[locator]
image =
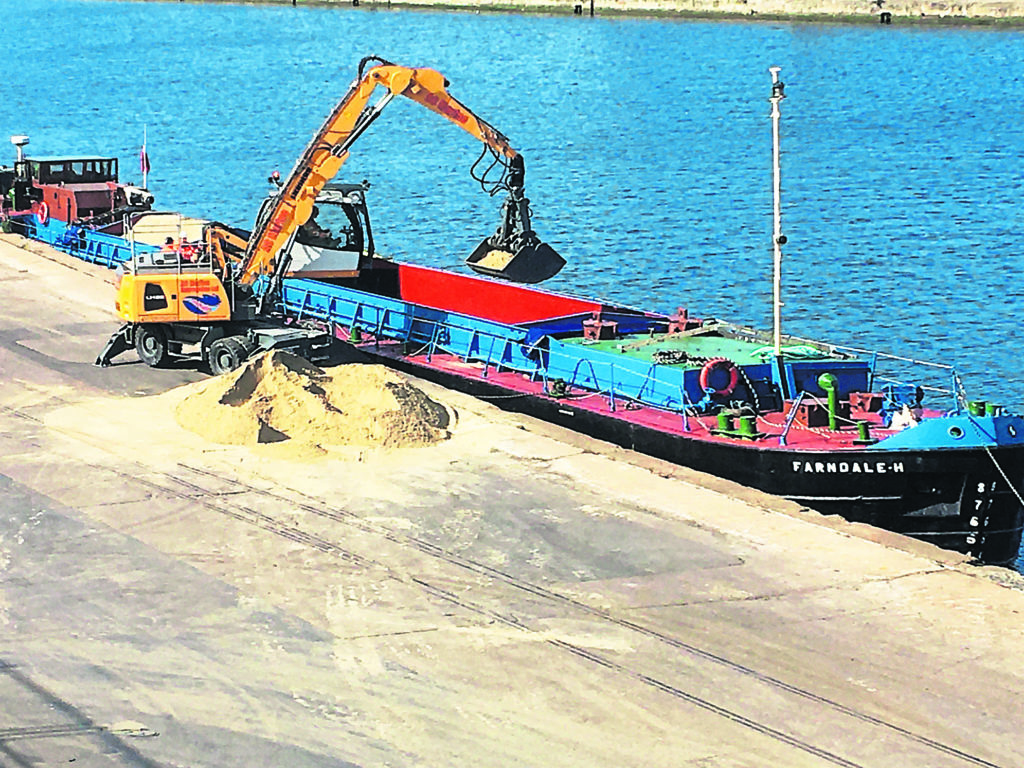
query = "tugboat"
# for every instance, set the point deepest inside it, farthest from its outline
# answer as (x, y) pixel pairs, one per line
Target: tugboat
(842, 431)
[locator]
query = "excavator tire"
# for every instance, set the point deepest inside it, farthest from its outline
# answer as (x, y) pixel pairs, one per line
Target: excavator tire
(151, 344)
(227, 354)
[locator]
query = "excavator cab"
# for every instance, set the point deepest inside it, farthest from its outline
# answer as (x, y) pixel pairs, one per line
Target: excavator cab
(336, 240)
(514, 252)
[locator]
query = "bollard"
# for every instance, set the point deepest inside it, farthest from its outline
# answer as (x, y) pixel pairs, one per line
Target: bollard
(748, 426)
(724, 422)
(864, 434)
(829, 383)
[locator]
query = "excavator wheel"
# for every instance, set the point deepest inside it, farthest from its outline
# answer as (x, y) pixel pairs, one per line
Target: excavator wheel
(151, 345)
(227, 354)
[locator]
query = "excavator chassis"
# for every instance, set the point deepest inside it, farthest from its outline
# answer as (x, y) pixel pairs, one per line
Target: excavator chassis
(223, 348)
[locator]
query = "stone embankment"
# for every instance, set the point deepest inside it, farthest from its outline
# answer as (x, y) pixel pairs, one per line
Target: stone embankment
(840, 10)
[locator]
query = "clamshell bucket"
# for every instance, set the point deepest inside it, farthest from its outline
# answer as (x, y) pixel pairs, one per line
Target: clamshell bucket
(514, 252)
(530, 262)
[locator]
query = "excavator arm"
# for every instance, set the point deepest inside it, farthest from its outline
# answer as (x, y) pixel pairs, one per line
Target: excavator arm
(226, 245)
(329, 149)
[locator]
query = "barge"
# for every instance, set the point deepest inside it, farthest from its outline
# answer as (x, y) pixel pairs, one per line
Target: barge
(835, 431)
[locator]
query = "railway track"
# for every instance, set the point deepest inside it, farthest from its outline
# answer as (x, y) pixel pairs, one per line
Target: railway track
(222, 503)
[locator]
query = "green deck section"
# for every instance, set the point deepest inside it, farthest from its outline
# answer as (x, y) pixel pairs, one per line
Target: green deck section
(703, 346)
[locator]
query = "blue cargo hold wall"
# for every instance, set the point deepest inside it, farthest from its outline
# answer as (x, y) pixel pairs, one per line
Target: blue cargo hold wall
(671, 387)
(436, 330)
(506, 346)
(629, 377)
(85, 244)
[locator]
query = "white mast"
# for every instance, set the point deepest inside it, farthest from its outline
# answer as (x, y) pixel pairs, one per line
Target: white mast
(778, 239)
(144, 159)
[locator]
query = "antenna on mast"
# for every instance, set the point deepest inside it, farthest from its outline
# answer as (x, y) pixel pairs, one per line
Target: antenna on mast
(778, 239)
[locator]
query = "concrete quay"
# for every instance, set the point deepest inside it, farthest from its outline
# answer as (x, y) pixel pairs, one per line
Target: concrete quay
(515, 596)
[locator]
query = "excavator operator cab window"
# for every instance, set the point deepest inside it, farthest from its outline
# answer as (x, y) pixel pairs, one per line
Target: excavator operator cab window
(318, 231)
(334, 225)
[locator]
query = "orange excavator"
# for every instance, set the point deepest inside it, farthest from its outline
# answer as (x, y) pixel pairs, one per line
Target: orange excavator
(218, 295)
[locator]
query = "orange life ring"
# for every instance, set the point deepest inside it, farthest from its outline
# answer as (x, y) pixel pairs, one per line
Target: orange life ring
(42, 213)
(725, 364)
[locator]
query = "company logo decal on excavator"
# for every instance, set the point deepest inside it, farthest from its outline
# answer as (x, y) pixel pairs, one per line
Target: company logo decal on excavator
(201, 305)
(446, 109)
(276, 226)
(199, 283)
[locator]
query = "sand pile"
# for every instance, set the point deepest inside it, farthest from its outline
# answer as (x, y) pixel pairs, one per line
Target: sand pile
(280, 397)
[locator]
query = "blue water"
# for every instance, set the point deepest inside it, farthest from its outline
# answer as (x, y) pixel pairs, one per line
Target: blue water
(647, 145)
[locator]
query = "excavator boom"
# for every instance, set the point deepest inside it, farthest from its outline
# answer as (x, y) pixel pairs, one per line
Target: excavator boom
(329, 149)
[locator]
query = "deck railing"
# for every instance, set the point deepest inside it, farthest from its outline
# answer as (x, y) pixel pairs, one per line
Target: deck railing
(560, 367)
(495, 345)
(931, 377)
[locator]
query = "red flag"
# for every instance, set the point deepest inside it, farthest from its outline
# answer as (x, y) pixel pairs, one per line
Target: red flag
(143, 160)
